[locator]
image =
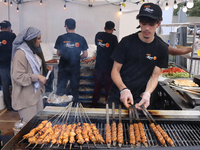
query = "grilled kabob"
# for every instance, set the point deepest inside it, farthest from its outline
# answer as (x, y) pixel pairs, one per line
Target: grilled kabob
(85, 132)
(47, 138)
(114, 133)
(142, 134)
(131, 135)
(72, 134)
(66, 135)
(158, 134)
(165, 135)
(35, 130)
(98, 136)
(92, 137)
(137, 134)
(120, 134)
(56, 135)
(108, 134)
(60, 138)
(79, 136)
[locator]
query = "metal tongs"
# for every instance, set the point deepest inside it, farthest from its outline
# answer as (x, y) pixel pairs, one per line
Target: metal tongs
(148, 115)
(184, 89)
(136, 117)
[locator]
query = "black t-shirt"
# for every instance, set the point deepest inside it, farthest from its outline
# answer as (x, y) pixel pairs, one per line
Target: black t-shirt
(6, 40)
(139, 59)
(70, 46)
(106, 43)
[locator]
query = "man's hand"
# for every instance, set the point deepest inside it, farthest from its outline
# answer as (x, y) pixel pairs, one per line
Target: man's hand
(42, 79)
(126, 98)
(50, 68)
(145, 100)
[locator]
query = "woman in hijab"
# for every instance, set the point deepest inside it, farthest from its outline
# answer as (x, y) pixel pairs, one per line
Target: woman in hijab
(26, 74)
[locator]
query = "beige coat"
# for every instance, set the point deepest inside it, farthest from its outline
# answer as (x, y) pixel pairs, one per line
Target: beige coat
(22, 77)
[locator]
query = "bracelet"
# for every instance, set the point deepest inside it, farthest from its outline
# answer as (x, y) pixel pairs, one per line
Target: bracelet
(124, 89)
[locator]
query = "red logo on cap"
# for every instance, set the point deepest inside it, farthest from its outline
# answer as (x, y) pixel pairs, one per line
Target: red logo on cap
(77, 44)
(4, 42)
(107, 44)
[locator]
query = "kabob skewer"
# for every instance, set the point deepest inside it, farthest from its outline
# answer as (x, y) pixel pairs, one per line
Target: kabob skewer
(120, 129)
(143, 137)
(107, 128)
(114, 126)
(131, 128)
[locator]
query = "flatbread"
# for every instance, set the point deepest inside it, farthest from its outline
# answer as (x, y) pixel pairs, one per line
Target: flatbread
(187, 83)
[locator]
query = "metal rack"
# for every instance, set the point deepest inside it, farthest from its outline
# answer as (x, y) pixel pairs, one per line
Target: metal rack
(193, 56)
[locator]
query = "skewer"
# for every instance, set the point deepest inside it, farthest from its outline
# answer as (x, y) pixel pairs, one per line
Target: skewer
(120, 129)
(28, 145)
(131, 130)
(114, 127)
(108, 131)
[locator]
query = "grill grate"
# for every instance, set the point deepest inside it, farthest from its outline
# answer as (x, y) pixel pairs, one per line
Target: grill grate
(183, 134)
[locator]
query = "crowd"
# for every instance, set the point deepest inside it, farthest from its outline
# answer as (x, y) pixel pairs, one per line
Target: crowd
(129, 69)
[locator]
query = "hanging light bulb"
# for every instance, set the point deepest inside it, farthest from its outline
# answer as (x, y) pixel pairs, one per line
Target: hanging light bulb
(120, 11)
(175, 4)
(10, 3)
(167, 6)
(5, 2)
(65, 6)
(40, 2)
(17, 8)
(190, 4)
(184, 7)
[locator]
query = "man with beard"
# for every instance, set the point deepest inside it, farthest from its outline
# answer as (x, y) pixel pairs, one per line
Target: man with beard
(138, 60)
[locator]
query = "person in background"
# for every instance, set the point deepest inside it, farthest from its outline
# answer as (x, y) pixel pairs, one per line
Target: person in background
(138, 60)
(106, 43)
(26, 74)
(6, 40)
(69, 46)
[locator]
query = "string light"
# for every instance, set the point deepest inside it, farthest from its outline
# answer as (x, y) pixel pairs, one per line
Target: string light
(184, 7)
(65, 6)
(17, 8)
(40, 2)
(11, 3)
(190, 4)
(120, 11)
(167, 6)
(175, 4)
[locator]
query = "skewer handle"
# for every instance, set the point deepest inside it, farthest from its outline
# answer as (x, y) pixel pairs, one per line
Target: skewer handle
(113, 111)
(120, 117)
(107, 114)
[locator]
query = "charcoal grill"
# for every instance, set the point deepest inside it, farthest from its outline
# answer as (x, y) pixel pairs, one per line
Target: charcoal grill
(185, 131)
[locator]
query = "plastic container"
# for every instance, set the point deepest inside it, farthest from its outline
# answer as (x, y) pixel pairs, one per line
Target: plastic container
(18, 125)
(2, 105)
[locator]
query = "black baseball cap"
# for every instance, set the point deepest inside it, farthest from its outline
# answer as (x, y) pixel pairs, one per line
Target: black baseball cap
(150, 10)
(110, 25)
(71, 23)
(5, 24)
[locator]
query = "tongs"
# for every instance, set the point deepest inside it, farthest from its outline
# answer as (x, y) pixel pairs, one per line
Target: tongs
(184, 90)
(141, 129)
(160, 133)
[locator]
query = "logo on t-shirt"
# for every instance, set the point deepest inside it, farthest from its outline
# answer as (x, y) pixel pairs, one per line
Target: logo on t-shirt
(77, 44)
(151, 57)
(107, 44)
(4, 42)
(103, 45)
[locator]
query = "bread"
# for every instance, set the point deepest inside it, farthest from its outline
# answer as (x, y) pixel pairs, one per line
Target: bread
(187, 83)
